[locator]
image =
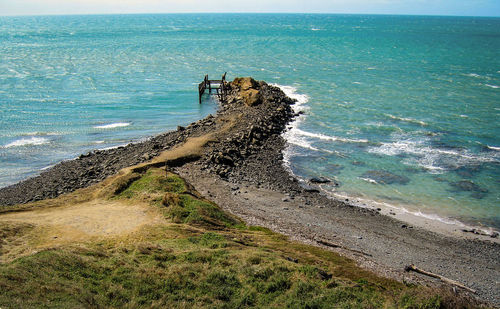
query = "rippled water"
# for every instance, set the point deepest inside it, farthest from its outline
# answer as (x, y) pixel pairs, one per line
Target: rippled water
(401, 110)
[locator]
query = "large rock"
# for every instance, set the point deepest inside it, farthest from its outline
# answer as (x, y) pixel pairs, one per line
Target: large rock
(245, 83)
(249, 90)
(467, 185)
(251, 97)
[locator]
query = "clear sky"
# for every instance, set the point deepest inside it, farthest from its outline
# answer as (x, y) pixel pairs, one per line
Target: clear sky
(412, 7)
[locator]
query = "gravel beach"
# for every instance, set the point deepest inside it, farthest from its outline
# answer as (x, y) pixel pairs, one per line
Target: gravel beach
(240, 167)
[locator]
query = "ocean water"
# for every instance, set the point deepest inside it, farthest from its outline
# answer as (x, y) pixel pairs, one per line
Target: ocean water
(401, 110)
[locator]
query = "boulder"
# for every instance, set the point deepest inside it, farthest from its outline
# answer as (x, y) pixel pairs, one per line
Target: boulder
(251, 97)
(248, 89)
(245, 83)
(319, 180)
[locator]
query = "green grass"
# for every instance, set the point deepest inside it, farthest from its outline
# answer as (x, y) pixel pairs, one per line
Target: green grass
(204, 258)
(209, 272)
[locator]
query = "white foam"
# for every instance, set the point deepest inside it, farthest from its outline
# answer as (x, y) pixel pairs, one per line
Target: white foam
(291, 92)
(411, 120)
(295, 136)
(47, 167)
(368, 180)
(36, 133)
(32, 141)
(113, 125)
(301, 143)
(430, 157)
(372, 203)
(492, 86)
(473, 75)
(329, 138)
(315, 29)
(290, 136)
(114, 147)
(493, 147)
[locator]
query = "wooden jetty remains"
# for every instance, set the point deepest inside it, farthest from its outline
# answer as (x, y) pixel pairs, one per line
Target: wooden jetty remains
(220, 85)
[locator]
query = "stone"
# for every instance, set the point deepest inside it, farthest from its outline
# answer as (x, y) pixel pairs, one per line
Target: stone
(323, 275)
(467, 185)
(312, 190)
(245, 83)
(319, 180)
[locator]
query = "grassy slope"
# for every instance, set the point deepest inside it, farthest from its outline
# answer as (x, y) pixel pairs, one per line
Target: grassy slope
(200, 257)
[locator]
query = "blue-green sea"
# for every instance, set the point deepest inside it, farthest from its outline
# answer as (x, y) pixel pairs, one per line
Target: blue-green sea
(402, 110)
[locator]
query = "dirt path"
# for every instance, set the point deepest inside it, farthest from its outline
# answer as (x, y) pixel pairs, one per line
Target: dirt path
(52, 227)
(96, 218)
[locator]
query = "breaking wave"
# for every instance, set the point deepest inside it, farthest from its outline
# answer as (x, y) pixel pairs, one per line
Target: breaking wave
(431, 158)
(32, 141)
(113, 125)
(410, 120)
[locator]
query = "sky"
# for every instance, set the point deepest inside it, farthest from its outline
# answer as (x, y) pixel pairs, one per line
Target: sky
(405, 7)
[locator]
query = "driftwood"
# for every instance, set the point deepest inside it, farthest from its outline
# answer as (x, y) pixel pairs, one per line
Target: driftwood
(332, 245)
(444, 279)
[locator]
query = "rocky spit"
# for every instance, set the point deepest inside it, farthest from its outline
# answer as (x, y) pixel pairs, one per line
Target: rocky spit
(241, 168)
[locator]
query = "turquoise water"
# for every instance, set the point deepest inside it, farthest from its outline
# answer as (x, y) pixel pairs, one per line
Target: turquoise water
(399, 109)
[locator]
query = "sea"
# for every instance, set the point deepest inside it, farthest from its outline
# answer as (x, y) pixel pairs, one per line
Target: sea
(398, 110)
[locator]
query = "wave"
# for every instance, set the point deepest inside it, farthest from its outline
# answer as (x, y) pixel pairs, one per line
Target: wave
(492, 86)
(41, 134)
(329, 138)
(113, 125)
(47, 167)
(493, 148)
(473, 75)
(291, 92)
(302, 143)
(290, 136)
(404, 208)
(368, 180)
(33, 141)
(114, 147)
(431, 158)
(294, 136)
(315, 29)
(410, 120)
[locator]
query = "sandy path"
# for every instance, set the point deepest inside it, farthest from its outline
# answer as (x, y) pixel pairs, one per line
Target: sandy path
(73, 224)
(96, 218)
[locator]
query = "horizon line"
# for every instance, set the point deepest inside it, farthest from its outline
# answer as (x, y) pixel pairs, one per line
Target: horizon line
(263, 13)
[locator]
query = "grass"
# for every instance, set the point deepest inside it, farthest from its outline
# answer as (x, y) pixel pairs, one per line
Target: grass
(202, 258)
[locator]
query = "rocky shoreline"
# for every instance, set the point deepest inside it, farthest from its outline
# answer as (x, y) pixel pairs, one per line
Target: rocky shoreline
(241, 168)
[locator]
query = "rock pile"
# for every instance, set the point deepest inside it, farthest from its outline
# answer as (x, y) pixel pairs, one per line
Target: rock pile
(260, 122)
(261, 112)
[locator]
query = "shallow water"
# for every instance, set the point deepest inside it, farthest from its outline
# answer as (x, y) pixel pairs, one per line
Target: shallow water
(387, 97)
